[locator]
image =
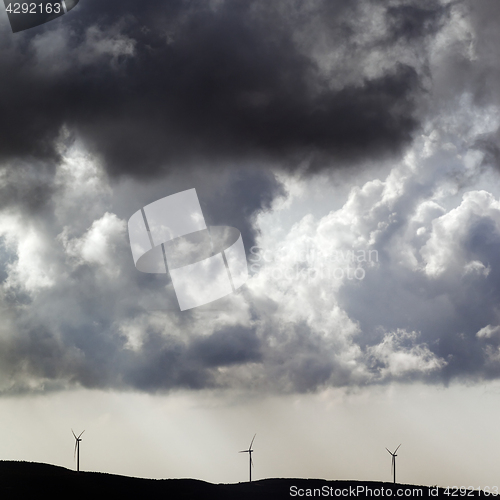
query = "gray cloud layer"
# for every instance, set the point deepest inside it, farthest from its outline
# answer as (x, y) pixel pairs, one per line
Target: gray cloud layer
(118, 104)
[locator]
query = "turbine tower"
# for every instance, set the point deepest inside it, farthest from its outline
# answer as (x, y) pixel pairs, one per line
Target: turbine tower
(250, 451)
(393, 466)
(77, 449)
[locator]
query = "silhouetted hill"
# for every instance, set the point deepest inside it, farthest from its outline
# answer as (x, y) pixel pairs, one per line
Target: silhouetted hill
(25, 479)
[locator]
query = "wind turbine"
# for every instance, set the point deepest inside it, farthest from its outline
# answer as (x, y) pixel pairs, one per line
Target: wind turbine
(250, 451)
(77, 449)
(393, 466)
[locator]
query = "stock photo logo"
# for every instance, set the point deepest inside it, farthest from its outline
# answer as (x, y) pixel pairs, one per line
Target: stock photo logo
(26, 15)
(309, 261)
(170, 236)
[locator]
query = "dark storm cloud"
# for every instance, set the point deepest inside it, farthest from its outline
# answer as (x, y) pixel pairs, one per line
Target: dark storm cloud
(415, 21)
(95, 355)
(231, 345)
(198, 83)
(28, 186)
(238, 201)
(171, 93)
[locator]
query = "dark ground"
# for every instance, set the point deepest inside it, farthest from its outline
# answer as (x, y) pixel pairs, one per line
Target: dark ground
(27, 479)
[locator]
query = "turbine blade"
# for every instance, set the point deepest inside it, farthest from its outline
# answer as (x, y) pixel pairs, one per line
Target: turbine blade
(396, 449)
(251, 461)
(74, 453)
(389, 451)
(84, 431)
(252, 441)
(73, 433)
(244, 451)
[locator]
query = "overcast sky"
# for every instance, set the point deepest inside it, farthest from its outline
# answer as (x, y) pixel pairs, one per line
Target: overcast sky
(354, 143)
